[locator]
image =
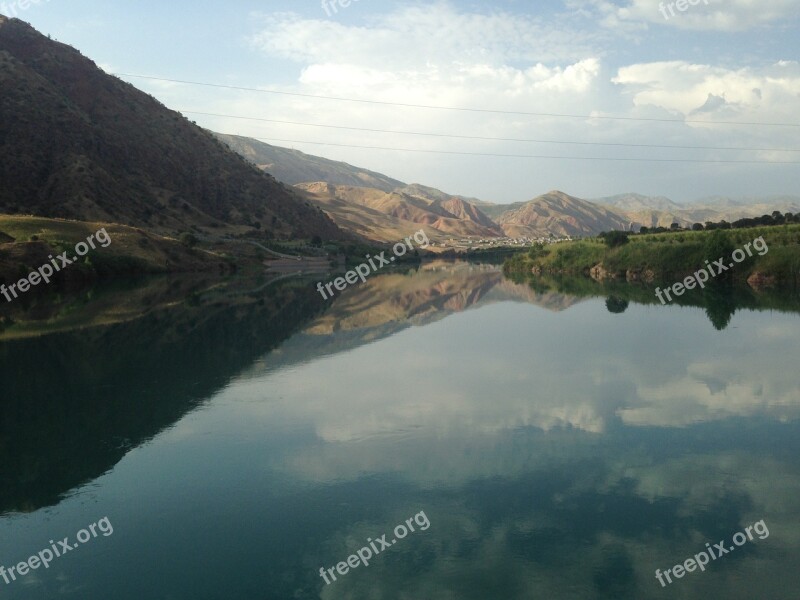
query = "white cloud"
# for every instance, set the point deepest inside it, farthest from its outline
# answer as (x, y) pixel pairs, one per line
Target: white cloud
(741, 94)
(436, 54)
(708, 15)
(412, 36)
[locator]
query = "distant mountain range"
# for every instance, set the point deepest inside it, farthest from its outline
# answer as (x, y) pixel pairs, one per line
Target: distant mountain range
(77, 143)
(662, 212)
(381, 208)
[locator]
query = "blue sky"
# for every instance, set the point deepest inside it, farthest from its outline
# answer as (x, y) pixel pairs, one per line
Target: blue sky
(727, 60)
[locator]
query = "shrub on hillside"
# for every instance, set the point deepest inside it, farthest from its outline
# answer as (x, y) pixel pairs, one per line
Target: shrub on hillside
(615, 239)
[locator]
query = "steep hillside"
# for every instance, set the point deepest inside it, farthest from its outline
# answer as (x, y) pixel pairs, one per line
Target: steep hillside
(77, 143)
(557, 213)
(293, 166)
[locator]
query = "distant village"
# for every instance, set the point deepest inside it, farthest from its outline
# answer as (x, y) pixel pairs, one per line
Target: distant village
(499, 242)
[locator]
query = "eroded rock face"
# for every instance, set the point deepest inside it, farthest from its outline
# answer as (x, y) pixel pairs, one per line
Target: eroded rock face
(760, 281)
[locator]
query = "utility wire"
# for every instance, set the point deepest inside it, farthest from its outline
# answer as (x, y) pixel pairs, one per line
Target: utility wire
(490, 139)
(455, 108)
(670, 160)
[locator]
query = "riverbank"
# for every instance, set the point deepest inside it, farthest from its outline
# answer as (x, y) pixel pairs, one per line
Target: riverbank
(668, 257)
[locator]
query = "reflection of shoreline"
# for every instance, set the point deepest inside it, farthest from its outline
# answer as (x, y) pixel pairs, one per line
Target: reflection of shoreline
(104, 304)
(107, 388)
(720, 302)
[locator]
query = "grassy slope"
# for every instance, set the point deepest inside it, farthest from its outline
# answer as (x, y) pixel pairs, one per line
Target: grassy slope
(132, 251)
(669, 255)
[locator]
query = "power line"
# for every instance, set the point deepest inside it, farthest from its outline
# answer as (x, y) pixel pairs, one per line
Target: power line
(455, 108)
(670, 160)
(491, 139)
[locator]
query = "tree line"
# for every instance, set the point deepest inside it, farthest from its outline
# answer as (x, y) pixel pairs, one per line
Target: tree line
(776, 218)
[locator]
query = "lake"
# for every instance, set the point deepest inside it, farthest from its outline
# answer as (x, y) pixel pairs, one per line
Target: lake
(514, 439)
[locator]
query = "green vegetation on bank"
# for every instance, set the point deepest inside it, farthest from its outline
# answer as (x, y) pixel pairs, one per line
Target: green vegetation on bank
(666, 256)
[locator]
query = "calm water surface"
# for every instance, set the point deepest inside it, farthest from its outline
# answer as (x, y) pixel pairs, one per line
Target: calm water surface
(560, 446)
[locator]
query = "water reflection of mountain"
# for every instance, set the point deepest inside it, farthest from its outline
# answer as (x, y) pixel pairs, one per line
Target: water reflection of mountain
(388, 304)
(74, 402)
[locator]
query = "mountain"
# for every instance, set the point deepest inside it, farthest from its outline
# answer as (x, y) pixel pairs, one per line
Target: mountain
(77, 143)
(557, 213)
(465, 209)
(293, 166)
(452, 217)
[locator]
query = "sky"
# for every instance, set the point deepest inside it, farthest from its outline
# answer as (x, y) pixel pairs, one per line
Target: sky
(556, 91)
